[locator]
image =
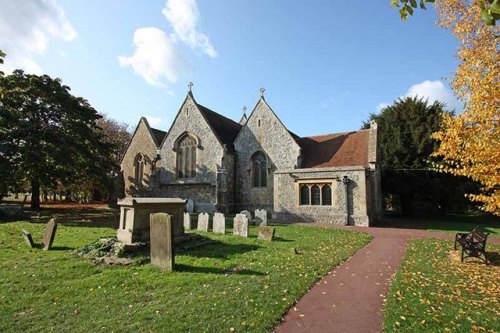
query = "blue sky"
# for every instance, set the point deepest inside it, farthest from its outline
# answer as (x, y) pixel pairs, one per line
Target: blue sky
(325, 65)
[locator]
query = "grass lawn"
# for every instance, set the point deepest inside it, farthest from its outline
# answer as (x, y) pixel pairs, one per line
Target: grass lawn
(435, 293)
(234, 284)
(464, 223)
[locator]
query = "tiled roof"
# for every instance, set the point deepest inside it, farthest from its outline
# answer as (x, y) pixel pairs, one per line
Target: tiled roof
(159, 135)
(335, 150)
(225, 128)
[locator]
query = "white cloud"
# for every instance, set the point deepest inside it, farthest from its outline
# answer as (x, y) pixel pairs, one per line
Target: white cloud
(153, 121)
(432, 91)
(155, 57)
(26, 28)
(183, 16)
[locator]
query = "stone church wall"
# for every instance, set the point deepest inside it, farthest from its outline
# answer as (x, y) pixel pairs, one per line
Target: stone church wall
(286, 196)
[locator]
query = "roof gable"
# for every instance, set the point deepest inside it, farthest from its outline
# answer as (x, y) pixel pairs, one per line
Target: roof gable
(224, 128)
(155, 134)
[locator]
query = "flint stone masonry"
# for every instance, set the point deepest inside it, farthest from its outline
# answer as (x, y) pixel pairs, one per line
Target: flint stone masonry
(187, 222)
(203, 222)
(49, 234)
(248, 215)
(219, 226)
(161, 241)
(28, 239)
(266, 233)
(134, 217)
(261, 217)
(240, 225)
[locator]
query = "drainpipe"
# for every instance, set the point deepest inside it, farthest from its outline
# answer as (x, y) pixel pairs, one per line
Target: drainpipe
(346, 181)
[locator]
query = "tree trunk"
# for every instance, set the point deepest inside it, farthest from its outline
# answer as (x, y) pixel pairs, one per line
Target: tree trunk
(35, 194)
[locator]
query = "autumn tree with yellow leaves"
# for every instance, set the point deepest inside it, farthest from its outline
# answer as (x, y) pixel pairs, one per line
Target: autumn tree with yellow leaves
(470, 141)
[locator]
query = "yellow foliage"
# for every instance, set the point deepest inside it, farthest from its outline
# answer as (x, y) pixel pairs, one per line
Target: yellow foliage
(470, 141)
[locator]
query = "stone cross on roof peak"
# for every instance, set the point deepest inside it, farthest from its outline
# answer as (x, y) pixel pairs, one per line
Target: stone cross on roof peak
(190, 86)
(244, 111)
(262, 92)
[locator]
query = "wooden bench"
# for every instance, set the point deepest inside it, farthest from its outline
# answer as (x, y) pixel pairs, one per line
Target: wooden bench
(473, 244)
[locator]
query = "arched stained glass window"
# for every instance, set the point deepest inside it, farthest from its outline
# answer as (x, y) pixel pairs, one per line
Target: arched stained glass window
(138, 169)
(304, 195)
(186, 157)
(315, 195)
(259, 170)
(326, 195)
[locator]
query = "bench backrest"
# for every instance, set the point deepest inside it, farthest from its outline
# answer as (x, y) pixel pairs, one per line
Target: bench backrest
(479, 236)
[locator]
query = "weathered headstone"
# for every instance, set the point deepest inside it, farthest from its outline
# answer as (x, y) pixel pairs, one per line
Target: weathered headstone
(248, 215)
(28, 239)
(219, 223)
(266, 233)
(203, 221)
(187, 221)
(49, 234)
(190, 205)
(161, 241)
(240, 226)
(261, 217)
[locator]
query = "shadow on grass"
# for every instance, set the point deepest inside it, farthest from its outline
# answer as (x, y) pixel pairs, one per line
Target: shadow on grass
(213, 270)
(61, 248)
(281, 239)
(217, 249)
(493, 258)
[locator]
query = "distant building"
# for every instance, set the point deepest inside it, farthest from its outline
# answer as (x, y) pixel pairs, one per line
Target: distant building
(223, 165)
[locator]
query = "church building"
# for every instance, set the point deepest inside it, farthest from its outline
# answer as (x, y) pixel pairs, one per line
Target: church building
(223, 165)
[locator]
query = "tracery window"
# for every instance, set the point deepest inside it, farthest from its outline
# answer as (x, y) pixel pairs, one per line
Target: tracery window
(186, 157)
(315, 194)
(139, 169)
(259, 170)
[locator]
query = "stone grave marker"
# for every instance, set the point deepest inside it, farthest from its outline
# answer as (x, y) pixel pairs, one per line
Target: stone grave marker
(28, 239)
(219, 224)
(261, 217)
(187, 221)
(240, 226)
(248, 215)
(161, 241)
(190, 205)
(49, 234)
(203, 221)
(266, 233)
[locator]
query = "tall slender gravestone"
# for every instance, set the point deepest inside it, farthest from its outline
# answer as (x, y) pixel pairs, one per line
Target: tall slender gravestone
(219, 224)
(28, 239)
(203, 221)
(261, 217)
(162, 239)
(187, 221)
(49, 234)
(240, 226)
(248, 215)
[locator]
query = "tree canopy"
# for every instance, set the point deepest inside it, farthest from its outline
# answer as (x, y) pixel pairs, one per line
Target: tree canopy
(49, 136)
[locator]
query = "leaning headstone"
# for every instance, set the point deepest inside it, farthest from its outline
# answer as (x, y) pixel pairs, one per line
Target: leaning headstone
(161, 241)
(219, 224)
(49, 234)
(28, 239)
(240, 226)
(190, 205)
(203, 220)
(187, 221)
(248, 215)
(261, 217)
(266, 233)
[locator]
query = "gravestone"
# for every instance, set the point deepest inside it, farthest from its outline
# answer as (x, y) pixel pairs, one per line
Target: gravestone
(248, 215)
(190, 205)
(203, 221)
(187, 221)
(240, 226)
(266, 233)
(49, 234)
(161, 241)
(219, 224)
(261, 217)
(28, 239)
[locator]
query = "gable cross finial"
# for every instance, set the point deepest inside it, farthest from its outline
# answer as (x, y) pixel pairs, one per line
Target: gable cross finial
(190, 86)
(262, 92)
(244, 111)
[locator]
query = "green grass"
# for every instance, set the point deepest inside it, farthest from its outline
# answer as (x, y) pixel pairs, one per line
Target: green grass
(434, 292)
(235, 283)
(463, 223)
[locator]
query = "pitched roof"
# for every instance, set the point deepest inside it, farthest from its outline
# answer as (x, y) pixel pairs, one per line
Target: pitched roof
(158, 136)
(224, 128)
(335, 150)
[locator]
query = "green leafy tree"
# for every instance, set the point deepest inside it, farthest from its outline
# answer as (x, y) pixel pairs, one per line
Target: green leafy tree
(51, 137)
(405, 146)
